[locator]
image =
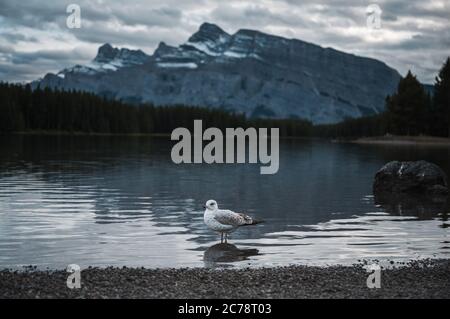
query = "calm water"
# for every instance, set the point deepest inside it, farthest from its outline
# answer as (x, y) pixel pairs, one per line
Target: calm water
(121, 201)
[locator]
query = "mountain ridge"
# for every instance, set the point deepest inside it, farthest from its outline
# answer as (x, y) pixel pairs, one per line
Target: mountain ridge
(249, 71)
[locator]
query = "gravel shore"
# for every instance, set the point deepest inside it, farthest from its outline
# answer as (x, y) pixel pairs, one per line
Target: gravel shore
(429, 279)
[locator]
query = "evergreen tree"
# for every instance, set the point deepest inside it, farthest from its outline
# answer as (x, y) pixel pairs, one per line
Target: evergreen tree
(407, 107)
(441, 100)
(24, 109)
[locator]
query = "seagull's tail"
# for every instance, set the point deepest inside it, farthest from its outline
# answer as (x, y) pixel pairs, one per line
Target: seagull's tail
(254, 222)
(250, 221)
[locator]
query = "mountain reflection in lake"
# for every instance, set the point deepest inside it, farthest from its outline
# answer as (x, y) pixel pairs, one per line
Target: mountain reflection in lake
(121, 201)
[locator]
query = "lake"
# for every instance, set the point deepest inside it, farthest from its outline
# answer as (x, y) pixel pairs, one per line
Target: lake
(101, 201)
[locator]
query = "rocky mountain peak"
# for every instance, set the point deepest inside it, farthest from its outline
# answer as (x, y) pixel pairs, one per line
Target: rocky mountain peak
(209, 39)
(132, 56)
(106, 53)
(163, 50)
(208, 32)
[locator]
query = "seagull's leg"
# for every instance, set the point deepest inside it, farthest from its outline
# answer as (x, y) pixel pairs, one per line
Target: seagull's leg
(226, 238)
(221, 238)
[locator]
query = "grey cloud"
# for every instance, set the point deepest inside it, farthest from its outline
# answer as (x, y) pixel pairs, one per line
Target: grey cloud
(258, 17)
(27, 72)
(148, 38)
(15, 37)
(144, 23)
(51, 55)
(31, 13)
(5, 49)
(27, 66)
(163, 16)
(416, 8)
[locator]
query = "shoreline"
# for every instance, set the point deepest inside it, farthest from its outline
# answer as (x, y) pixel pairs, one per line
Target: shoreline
(374, 140)
(416, 279)
(403, 140)
(79, 133)
(154, 135)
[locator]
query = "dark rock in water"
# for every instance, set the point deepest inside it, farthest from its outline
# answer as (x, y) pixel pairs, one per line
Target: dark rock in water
(418, 178)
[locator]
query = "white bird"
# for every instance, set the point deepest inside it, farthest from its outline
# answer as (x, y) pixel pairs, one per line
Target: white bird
(225, 221)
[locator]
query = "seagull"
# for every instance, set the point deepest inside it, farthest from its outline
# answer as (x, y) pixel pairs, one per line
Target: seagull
(225, 221)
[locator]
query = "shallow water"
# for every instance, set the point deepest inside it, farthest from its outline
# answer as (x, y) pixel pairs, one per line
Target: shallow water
(104, 201)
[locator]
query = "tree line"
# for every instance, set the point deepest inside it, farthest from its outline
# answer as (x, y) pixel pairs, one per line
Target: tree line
(409, 111)
(23, 110)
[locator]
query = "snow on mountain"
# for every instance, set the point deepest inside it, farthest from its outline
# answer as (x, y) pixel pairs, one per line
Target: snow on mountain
(252, 72)
(109, 59)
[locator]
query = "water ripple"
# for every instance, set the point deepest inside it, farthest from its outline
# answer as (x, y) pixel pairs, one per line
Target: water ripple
(112, 207)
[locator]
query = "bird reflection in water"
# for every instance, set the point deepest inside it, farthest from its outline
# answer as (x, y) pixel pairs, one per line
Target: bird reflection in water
(226, 253)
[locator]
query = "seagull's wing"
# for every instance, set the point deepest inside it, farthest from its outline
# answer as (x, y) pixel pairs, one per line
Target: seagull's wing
(227, 217)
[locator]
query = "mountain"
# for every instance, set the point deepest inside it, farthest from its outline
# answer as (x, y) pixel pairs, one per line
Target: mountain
(249, 71)
(108, 59)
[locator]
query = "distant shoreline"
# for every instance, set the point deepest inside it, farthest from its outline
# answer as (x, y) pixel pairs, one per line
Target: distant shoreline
(417, 279)
(80, 133)
(403, 140)
(375, 140)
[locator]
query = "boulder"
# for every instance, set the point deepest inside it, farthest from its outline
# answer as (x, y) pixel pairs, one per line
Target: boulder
(415, 178)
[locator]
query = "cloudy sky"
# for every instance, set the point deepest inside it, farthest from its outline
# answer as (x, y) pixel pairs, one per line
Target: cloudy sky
(34, 37)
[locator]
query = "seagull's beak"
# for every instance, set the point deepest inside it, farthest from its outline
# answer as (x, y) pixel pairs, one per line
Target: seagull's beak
(204, 206)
